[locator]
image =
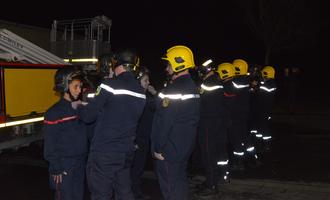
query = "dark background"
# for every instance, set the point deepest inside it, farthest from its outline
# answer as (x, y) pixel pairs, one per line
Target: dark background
(220, 30)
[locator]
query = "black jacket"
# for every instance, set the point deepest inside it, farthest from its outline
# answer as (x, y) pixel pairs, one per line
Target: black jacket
(212, 98)
(117, 108)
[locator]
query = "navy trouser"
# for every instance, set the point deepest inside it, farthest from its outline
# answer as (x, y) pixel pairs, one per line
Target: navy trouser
(138, 165)
(108, 174)
(238, 133)
(73, 184)
(172, 179)
(213, 143)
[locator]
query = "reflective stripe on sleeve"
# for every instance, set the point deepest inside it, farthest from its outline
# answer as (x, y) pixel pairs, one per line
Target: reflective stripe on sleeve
(179, 96)
(240, 86)
(211, 88)
(65, 119)
(267, 89)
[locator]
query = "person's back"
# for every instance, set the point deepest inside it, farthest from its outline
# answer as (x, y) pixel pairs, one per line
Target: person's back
(212, 98)
(265, 100)
(117, 107)
(118, 118)
(185, 116)
(175, 124)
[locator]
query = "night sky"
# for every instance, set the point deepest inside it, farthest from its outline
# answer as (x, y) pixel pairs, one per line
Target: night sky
(212, 29)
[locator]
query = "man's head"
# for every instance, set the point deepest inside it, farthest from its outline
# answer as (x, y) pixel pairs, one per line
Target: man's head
(240, 66)
(179, 58)
(226, 71)
(143, 77)
(68, 82)
(126, 60)
(268, 72)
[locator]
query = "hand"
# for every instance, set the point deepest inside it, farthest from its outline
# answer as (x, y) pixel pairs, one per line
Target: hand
(58, 178)
(75, 104)
(158, 156)
(254, 83)
(152, 90)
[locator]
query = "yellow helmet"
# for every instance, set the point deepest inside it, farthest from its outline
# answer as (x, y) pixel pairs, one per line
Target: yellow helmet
(240, 66)
(180, 57)
(225, 70)
(268, 72)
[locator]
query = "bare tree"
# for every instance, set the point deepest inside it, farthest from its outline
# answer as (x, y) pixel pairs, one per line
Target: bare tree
(282, 25)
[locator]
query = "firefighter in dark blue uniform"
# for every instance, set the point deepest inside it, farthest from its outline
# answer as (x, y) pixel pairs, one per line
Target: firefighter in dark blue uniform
(92, 80)
(117, 108)
(227, 73)
(212, 131)
(175, 125)
(265, 100)
(65, 146)
(241, 83)
(142, 141)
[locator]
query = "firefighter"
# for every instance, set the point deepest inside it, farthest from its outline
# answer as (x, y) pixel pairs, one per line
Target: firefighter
(142, 141)
(241, 83)
(212, 134)
(175, 124)
(92, 80)
(65, 146)
(117, 107)
(227, 73)
(265, 100)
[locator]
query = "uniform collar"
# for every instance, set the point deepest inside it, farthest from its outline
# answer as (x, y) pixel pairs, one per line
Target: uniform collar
(182, 77)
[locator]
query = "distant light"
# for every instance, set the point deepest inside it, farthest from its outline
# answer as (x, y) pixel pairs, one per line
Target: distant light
(206, 63)
(21, 122)
(82, 60)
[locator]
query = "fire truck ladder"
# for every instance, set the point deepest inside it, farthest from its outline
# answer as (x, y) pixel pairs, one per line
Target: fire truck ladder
(14, 48)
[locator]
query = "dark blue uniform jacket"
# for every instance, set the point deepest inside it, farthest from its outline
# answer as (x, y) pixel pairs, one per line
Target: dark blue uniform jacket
(116, 108)
(266, 95)
(65, 137)
(241, 86)
(212, 98)
(176, 120)
(145, 123)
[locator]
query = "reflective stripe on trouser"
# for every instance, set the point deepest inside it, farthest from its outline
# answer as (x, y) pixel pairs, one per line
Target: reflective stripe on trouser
(238, 134)
(212, 140)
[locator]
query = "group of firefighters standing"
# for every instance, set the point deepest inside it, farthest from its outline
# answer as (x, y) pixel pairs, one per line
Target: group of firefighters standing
(128, 118)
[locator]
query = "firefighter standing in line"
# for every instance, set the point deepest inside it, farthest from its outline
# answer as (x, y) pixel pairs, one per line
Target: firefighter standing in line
(241, 83)
(65, 145)
(212, 134)
(175, 124)
(265, 100)
(117, 108)
(227, 73)
(143, 135)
